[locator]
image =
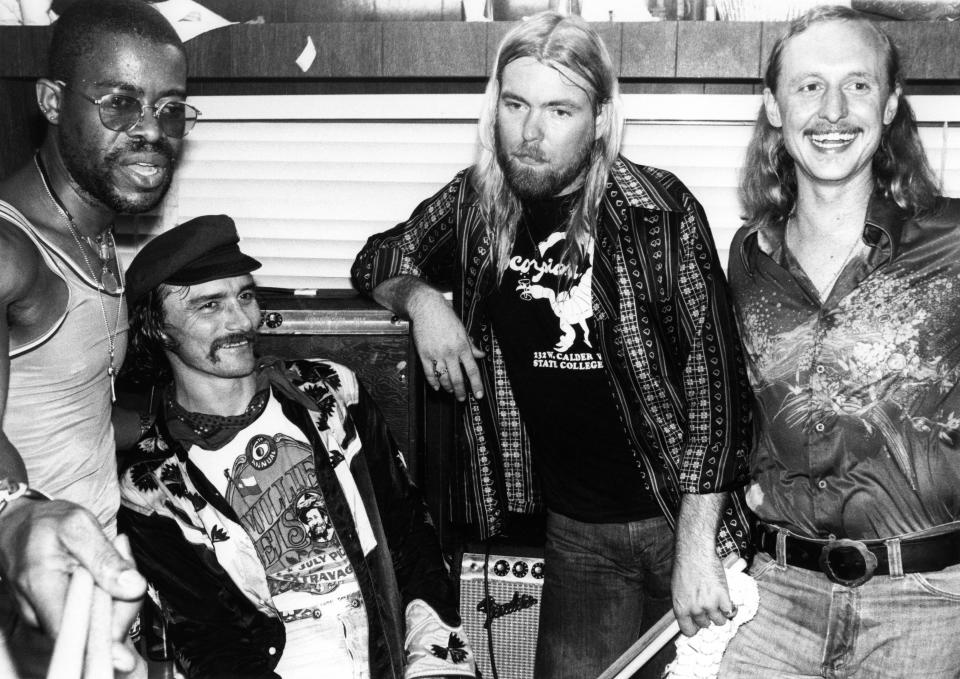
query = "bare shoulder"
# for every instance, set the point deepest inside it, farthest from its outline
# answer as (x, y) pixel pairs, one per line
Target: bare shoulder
(20, 262)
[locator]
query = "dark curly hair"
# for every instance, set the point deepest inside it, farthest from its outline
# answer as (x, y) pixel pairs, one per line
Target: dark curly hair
(901, 171)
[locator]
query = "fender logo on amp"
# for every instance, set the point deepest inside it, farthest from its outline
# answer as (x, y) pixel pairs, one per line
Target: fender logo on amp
(493, 610)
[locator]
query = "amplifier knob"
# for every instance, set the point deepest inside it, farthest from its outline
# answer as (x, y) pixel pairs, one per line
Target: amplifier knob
(501, 568)
(537, 570)
(272, 319)
(520, 568)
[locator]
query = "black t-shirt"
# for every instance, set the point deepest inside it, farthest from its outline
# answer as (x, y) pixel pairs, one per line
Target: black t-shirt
(550, 346)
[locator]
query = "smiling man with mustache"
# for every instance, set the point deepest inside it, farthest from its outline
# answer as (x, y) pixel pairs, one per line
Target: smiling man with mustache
(847, 282)
(592, 340)
(267, 503)
(113, 102)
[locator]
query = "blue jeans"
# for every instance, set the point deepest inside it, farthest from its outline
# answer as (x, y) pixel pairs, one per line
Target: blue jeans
(808, 626)
(603, 585)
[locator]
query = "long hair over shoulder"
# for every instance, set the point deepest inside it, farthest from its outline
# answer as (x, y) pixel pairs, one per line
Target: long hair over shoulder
(901, 171)
(567, 44)
(146, 361)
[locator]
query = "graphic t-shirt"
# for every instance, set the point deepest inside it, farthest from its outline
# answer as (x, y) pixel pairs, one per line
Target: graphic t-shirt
(267, 476)
(548, 335)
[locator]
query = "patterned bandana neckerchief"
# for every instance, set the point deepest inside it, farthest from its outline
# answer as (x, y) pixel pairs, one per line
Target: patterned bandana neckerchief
(212, 432)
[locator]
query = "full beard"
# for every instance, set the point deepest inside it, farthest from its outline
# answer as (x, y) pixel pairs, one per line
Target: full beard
(93, 178)
(537, 183)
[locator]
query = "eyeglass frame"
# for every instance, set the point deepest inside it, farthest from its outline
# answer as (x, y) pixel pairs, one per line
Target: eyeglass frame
(156, 109)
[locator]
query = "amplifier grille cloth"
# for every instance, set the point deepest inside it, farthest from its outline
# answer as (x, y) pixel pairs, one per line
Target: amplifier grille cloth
(514, 587)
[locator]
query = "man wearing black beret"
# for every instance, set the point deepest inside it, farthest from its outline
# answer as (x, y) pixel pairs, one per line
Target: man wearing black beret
(253, 500)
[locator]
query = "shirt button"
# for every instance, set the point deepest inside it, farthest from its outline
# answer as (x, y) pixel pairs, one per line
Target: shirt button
(272, 650)
(820, 369)
(822, 484)
(819, 427)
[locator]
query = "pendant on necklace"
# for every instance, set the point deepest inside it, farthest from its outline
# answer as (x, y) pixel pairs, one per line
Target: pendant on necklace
(112, 374)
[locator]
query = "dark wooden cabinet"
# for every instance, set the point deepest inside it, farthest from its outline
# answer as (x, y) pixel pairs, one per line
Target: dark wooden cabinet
(347, 328)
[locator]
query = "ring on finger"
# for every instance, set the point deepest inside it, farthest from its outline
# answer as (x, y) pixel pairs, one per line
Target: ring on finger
(439, 372)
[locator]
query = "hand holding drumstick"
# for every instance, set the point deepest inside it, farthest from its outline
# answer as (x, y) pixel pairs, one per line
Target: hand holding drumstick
(92, 640)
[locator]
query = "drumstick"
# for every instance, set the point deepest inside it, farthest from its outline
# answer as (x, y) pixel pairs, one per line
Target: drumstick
(644, 648)
(67, 660)
(98, 661)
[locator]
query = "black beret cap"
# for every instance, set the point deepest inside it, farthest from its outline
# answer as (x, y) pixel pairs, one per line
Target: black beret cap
(200, 250)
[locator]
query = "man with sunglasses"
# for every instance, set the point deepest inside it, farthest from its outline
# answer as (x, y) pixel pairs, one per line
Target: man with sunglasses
(116, 117)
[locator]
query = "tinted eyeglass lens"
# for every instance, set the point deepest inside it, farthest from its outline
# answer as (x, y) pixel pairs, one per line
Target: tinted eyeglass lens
(176, 118)
(119, 112)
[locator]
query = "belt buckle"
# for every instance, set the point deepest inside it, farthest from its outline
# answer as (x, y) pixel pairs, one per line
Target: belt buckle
(845, 573)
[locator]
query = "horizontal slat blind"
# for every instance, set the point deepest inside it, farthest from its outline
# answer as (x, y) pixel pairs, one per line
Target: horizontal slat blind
(309, 178)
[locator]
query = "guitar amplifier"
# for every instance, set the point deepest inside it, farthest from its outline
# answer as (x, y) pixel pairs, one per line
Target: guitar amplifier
(500, 607)
(346, 328)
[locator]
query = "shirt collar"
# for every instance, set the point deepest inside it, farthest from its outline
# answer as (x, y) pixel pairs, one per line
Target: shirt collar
(640, 190)
(885, 224)
(883, 228)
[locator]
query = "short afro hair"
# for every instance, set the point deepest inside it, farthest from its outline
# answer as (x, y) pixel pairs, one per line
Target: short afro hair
(88, 23)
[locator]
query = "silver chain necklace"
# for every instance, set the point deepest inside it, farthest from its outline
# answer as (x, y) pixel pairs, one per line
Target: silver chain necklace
(105, 244)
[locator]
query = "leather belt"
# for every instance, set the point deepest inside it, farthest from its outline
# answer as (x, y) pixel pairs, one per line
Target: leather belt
(853, 562)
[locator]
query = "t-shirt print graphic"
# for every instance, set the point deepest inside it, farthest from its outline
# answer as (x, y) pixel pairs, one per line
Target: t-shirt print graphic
(276, 499)
(572, 306)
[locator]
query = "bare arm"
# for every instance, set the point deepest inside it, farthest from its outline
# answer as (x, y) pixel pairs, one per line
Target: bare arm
(41, 543)
(449, 357)
(699, 585)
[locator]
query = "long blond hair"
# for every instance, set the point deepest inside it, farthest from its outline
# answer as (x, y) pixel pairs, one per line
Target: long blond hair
(901, 172)
(566, 43)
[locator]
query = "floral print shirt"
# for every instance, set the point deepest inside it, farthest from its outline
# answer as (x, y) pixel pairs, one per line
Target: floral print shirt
(857, 395)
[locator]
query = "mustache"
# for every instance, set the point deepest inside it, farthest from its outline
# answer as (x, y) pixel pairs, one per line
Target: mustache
(832, 129)
(138, 145)
(232, 338)
(531, 151)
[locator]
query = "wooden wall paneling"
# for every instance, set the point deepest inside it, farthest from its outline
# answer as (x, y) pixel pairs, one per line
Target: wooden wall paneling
(496, 32)
(23, 126)
(770, 32)
(434, 49)
(23, 51)
(930, 50)
(268, 50)
(347, 50)
(718, 49)
(612, 36)
(649, 50)
(211, 54)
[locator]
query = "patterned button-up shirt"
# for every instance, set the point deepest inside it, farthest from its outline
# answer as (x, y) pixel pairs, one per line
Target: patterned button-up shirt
(666, 331)
(859, 405)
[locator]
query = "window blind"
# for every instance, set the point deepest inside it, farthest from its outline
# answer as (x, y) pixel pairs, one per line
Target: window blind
(309, 178)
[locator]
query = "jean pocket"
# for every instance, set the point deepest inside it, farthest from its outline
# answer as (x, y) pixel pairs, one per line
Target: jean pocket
(763, 563)
(944, 584)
